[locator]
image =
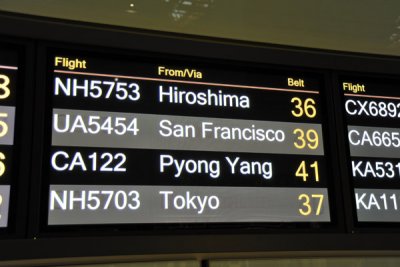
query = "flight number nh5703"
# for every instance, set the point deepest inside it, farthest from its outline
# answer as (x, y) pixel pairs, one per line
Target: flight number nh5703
(94, 200)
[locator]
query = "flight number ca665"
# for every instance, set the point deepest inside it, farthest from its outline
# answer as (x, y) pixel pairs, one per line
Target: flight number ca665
(374, 138)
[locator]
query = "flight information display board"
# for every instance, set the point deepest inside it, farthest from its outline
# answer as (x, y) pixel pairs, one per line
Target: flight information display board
(8, 95)
(152, 140)
(372, 110)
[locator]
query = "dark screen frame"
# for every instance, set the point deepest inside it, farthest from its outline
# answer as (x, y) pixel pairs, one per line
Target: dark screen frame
(46, 51)
(31, 29)
(20, 183)
(348, 185)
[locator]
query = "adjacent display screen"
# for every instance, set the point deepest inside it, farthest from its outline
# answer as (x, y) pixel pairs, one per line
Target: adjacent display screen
(8, 93)
(153, 140)
(372, 108)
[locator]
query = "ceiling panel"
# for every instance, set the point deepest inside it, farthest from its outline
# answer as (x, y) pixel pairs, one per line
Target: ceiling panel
(366, 26)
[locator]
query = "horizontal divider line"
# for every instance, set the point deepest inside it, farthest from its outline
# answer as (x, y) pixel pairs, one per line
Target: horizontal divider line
(8, 67)
(187, 82)
(374, 96)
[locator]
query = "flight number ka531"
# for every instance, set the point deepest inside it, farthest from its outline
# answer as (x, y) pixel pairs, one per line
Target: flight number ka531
(109, 89)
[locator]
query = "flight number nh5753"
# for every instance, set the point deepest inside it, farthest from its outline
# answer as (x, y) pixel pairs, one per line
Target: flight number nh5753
(110, 89)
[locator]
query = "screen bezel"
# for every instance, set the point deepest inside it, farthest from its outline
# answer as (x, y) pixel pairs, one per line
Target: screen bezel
(44, 100)
(20, 183)
(39, 30)
(357, 226)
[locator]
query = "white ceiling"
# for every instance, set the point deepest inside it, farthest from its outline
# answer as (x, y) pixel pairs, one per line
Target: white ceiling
(367, 26)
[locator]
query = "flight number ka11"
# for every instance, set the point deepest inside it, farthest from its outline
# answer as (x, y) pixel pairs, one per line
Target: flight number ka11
(376, 201)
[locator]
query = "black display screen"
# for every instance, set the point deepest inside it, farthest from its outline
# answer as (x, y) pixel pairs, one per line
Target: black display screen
(8, 96)
(372, 110)
(151, 140)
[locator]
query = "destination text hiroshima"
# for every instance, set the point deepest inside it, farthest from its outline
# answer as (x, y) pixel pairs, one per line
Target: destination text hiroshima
(184, 95)
(209, 97)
